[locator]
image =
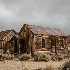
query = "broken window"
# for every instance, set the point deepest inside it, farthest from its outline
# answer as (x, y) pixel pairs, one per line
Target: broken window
(38, 41)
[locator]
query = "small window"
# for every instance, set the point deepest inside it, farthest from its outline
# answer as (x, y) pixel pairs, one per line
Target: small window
(38, 42)
(43, 43)
(53, 42)
(38, 39)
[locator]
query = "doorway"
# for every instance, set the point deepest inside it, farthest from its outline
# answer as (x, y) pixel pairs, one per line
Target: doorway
(22, 46)
(43, 43)
(15, 46)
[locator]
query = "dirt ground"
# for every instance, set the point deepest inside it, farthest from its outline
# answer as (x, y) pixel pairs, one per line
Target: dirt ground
(29, 65)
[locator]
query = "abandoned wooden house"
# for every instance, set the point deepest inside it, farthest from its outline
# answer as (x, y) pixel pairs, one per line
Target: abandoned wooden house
(8, 40)
(39, 38)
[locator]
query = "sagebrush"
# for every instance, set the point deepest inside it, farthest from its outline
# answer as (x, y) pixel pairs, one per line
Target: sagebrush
(25, 57)
(41, 57)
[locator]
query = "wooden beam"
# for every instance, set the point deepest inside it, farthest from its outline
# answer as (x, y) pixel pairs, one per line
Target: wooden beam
(55, 48)
(51, 44)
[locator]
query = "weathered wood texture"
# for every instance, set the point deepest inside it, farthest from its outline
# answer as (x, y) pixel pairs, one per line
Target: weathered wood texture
(28, 35)
(5, 43)
(35, 42)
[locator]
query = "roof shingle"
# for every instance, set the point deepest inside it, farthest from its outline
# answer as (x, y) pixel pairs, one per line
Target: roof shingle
(46, 30)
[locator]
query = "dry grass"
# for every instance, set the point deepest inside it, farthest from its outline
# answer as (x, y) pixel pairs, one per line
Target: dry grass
(26, 68)
(46, 68)
(31, 65)
(66, 65)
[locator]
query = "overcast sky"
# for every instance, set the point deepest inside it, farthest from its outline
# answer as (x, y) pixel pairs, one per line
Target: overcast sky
(48, 13)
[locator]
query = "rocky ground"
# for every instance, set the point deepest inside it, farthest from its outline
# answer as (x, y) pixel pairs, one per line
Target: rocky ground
(29, 65)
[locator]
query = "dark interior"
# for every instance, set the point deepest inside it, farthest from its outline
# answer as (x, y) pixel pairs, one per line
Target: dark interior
(22, 46)
(43, 43)
(15, 46)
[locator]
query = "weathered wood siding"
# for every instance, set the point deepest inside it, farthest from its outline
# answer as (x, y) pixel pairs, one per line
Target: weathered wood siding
(28, 35)
(34, 41)
(4, 44)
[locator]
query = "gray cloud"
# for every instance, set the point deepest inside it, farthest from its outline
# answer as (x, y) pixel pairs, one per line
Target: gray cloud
(48, 13)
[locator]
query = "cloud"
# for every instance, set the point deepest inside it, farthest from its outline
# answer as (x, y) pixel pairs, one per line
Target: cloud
(48, 13)
(7, 18)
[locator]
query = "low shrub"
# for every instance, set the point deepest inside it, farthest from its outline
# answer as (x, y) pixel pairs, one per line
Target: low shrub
(54, 57)
(66, 65)
(7, 57)
(36, 56)
(65, 56)
(41, 57)
(24, 57)
(57, 57)
(60, 57)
